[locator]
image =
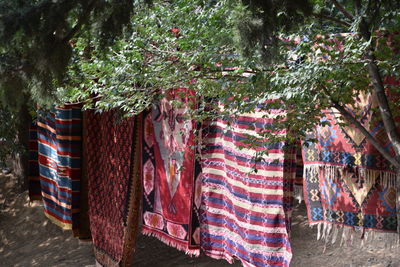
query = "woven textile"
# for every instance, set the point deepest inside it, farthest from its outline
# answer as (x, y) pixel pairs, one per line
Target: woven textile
(246, 214)
(169, 172)
(59, 148)
(35, 192)
(113, 170)
(347, 182)
(298, 181)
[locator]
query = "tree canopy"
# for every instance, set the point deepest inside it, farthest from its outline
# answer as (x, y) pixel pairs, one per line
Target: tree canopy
(310, 54)
(35, 42)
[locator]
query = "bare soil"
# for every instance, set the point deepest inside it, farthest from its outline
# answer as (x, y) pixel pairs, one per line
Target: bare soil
(27, 238)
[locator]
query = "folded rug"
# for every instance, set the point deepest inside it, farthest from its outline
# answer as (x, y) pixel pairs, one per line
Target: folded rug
(35, 192)
(169, 172)
(347, 181)
(246, 200)
(112, 159)
(59, 148)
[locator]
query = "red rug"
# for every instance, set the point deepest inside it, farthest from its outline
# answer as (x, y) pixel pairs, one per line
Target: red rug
(347, 181)
(35, 192)
(169, 172)
(112, 160)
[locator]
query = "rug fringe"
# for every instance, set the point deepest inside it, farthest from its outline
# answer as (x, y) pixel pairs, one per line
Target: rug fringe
(355, 236)
(298, 193)
(62, 225)
(387, 178)
(172, 243)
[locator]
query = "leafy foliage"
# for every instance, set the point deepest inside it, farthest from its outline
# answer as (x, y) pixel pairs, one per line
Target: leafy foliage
(34, 42)
(164, 49)
(7, 136)
(241, 52)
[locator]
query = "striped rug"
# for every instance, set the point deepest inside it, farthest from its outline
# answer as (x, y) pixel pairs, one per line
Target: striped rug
(35, 192)
(59, 156)
(245, 214)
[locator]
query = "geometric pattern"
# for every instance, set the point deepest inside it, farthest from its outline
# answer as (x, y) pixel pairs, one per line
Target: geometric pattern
(347, 181)
(112, 159)
(169, 171)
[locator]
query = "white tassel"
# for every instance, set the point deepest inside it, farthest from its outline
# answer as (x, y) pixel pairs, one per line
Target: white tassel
(319, 231)
(335, 234)
(298, 193)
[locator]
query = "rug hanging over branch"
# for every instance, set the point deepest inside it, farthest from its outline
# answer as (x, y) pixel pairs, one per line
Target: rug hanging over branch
(170, 172)
(112, 158)
(59, 154)
(348, 183)
(246, 215)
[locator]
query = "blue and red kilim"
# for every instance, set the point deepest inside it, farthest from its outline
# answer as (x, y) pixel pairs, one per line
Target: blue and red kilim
(347, 181)
(246, 214)
(59, 147)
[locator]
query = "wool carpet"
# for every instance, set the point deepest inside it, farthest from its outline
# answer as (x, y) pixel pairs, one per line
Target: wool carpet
(170, 173)
(59, 155)
(35, 192)
(347, 181)
(112, 159)
(246, 201)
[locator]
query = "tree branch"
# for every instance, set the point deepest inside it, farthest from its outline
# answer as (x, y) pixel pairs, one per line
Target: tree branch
(82, 20)
(386, 113)
(357, 4)
(343, 10)
(379, 89)
(366, 133)
(383, 102)
(338, 21)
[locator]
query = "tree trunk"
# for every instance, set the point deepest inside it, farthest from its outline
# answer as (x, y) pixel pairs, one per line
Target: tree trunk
(20, 158)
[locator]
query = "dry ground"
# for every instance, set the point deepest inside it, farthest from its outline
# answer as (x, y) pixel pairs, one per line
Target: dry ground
(27, 238)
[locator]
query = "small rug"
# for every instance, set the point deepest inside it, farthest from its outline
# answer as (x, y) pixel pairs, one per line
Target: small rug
(59, 154)
(169, 173)
(246, 203)
(347, 181)
(112, 159)
(35, 192)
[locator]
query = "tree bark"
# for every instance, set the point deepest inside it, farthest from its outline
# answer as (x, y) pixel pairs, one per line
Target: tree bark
(384, 108)
(379, 89)
(386, 113)
(20, 158)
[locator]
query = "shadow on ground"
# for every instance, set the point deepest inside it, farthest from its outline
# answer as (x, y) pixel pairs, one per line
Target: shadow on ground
(27, 238)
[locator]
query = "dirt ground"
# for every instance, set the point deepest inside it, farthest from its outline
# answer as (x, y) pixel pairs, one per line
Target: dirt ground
(27, 238)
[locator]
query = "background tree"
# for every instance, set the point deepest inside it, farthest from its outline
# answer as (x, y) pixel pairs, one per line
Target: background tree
(232, 50)
(368, 56)
(35, 50)
(253, 50)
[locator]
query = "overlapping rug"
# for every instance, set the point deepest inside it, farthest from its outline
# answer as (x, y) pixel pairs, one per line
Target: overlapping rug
(347, 181)
(246, 214)
(59, 155)
(171, 192)
(298, 181)
(112, 158)
(35, 192)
